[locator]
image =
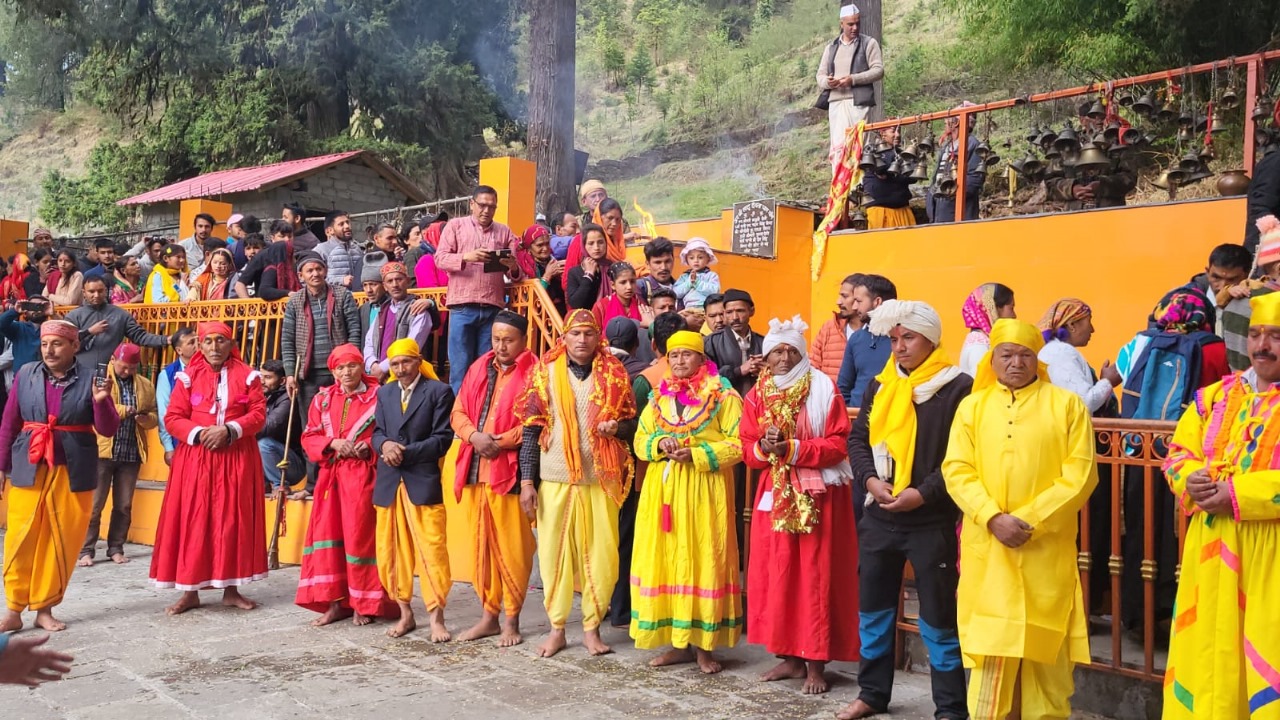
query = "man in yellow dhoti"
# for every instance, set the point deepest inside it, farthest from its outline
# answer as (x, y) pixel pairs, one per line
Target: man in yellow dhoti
(575, 474)
(1222, 468)
(1020, 464)
(411, 436)
(50, 453)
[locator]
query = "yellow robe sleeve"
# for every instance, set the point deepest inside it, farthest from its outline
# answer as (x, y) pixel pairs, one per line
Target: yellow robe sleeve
(1256, 495)
(648, 435)
(1186, 450)
(724, 449)
(960, 467)
(1079, 475)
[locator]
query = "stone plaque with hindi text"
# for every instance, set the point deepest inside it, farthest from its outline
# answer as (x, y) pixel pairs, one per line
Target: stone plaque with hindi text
(755, 228)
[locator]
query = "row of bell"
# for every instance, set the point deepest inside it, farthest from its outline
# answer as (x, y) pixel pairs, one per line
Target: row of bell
(1146, 106)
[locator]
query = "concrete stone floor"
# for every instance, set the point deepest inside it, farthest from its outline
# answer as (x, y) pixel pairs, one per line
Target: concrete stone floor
(134, 663)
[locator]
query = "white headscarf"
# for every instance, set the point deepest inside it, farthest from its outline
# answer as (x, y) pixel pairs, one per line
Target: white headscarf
(911, 314)
(821, 390)
(848, 11)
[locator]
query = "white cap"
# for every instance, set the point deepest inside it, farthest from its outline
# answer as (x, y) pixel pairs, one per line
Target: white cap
(849, 11)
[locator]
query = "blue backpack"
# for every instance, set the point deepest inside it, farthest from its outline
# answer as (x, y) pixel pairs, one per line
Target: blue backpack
(1165, 377)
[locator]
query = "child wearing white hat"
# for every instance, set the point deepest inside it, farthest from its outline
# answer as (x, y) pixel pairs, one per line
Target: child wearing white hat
(699, 281)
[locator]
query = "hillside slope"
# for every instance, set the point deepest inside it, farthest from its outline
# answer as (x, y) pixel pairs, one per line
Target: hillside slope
(38, 142)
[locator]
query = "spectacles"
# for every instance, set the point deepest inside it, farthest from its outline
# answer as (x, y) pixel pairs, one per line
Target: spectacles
(485, 206)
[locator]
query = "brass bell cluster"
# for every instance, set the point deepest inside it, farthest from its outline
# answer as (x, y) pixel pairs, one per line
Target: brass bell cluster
(1071, 151)
(911, 161)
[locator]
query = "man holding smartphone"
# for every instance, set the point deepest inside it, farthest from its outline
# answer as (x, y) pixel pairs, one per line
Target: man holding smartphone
(478, 255)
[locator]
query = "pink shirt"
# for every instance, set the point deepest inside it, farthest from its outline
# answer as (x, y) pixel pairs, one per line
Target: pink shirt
(468, 282)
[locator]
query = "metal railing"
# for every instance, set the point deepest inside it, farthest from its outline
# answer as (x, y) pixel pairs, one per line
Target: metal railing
(258, 324)
(1133, 450)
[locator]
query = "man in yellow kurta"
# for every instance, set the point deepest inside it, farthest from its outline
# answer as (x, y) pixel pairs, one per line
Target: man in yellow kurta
(1020, 464)
(575, 473)
(1222, 467)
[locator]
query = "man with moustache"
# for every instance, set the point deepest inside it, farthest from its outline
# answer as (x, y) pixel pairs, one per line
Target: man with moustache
(827, 349)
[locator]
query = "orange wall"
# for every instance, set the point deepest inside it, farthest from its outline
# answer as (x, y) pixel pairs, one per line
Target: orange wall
(189, 209)
(516, 181)
(1120, 261)
(11, 231)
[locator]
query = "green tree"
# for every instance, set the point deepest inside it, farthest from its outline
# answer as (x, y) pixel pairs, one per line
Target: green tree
(612, 57)
(640, 71)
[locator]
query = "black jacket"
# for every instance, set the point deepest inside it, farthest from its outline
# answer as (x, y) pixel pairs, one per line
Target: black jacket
(583, 291)
(1264, 197)
(722, 349)
(424, 431)
(933, 428)
(277, 425)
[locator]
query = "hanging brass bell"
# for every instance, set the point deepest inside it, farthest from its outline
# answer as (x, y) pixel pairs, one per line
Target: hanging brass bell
(1031, 165)
(908, 154)
(1092, 158)
(1200, 173)
(1034, 135)
(1145, 105)
(1168, 111)
(1215, 123)
(1117, 150)
(868, 162)
(1206, 154)
(983, 150)
(1189, 162)
(920, 173)
(1067, 139)
(859, 221)
(1165, 182)
(1096, 111)
(1186, 119)
(1262, 108)
(1126, 100)
(1230, 99)
(896, 167)
(1112, 131)
(1186, 134)
(991, 160)
(1131, 136)
(927, 145)
(1100, 141)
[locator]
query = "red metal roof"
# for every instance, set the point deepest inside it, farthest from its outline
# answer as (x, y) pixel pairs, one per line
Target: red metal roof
(226, 182)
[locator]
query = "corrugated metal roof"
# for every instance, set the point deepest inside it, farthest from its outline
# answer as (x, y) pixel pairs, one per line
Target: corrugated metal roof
(226, 182)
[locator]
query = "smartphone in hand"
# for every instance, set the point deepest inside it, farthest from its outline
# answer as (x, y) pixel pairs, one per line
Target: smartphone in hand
(100, 376)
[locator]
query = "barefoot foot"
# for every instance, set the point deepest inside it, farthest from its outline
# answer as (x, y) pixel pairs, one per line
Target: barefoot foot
(592, 642)
(815, 683)
(788, 669)
(12, 622)
(46, 621)
(554, 643)
(707, 663)
(335, 613)
(510, 632)
(486, 627)
(120, 558)
(231, 597)
(361, 620)
(189, 601)
(85, 561)
(439, 633)
(406, 625)
(856, 709)
(674, 656)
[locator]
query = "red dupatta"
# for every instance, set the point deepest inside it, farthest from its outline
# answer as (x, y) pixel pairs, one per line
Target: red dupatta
(471, 395)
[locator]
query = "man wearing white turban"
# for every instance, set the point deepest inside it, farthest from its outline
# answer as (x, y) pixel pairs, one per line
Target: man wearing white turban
(802, 600)
(896, 447)
(850, 67)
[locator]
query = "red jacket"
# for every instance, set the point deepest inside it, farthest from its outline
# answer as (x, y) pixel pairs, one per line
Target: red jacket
(827, 350)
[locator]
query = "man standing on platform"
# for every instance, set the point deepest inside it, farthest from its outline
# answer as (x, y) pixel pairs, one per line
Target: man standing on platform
(339, 561)
(1222, 475)
(476, 253)
(411, 436)
(49, 452)
(896, 448)
(850, 67)
(575, 473)
(1020, 464)
(212, 532)
(395, 319)
(104, 326)
(487, 474)
(317, 318)
(120, 457)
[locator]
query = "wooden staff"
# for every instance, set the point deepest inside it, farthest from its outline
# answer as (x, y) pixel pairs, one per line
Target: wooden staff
(279, 528)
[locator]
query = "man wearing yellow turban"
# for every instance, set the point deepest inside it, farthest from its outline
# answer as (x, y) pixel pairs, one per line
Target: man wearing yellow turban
(411, 436)
(1020, 464)
(1222, 471)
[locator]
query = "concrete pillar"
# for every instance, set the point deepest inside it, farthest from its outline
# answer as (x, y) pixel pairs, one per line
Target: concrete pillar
(516, 181)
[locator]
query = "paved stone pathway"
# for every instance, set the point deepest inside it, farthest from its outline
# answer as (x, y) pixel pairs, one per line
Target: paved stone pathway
(133, 662)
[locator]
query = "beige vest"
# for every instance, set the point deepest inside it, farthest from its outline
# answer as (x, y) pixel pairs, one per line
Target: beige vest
(554, 468)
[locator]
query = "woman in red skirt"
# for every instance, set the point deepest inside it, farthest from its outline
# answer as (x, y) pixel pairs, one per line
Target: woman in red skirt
(802, 581)
(212, 530)
(339, 557)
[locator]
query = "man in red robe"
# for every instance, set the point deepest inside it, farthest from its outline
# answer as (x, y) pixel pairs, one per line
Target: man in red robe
(212, 532)
(339, 558)
(485, 481)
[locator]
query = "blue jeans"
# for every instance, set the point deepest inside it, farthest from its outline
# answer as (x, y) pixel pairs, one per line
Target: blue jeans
(469, 328)
(272, 451)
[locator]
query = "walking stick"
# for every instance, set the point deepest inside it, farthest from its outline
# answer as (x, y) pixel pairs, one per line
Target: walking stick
(279, 528)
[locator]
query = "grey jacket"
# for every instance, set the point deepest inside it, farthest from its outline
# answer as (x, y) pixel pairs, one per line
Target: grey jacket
(343, 260)
(96, 349)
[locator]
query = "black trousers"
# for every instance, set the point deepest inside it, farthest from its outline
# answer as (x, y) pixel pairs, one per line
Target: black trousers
(620, 604)
(1100, 542)
(307, 391)
(1166, 548)
(884, 548)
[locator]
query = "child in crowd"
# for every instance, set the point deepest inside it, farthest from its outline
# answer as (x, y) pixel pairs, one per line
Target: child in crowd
(623, 301)
(699, 281)
(585, 285)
